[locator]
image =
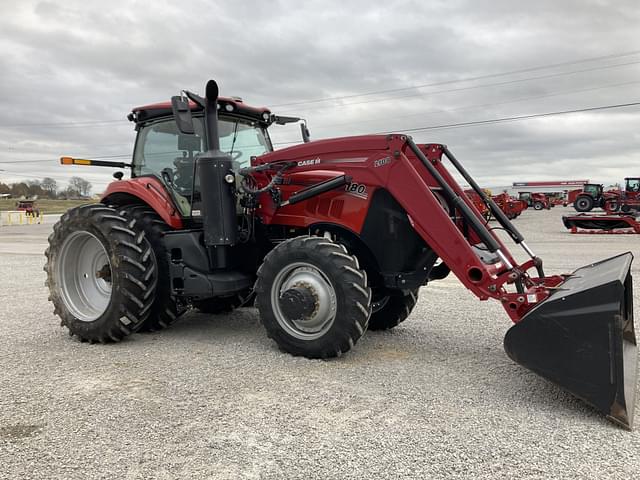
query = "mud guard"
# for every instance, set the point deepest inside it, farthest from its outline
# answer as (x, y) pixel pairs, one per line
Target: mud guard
(582, 338)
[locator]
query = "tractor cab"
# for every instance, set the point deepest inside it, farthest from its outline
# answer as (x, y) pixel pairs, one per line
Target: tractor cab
(632, 185)
(593, 189)
(164, 151)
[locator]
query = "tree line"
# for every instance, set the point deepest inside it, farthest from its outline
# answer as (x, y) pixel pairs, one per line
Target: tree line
(48, 188)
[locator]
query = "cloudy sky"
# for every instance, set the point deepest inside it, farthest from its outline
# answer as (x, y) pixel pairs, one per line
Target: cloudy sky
(71, 71)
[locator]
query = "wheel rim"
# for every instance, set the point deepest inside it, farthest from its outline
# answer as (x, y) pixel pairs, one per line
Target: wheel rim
(84, 271)
(583, 204)
(302, 274)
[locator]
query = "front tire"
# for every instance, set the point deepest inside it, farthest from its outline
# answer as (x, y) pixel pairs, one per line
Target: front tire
(390, 310)
(538, 206)
(313, 298)
(101, 274)
(583, 203)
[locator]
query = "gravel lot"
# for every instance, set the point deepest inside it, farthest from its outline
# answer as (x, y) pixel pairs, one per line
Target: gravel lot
(212, 397)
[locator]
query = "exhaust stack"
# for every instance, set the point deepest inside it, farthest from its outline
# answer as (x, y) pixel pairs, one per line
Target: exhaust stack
(218, 197)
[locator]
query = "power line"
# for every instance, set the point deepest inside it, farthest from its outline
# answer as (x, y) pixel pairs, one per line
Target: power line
(491, 121)
(89, 123)
(460, 80)
(434, 127)
(26, 175)
(482, 105)
(473, 87)
(516, 118)
(63, 124)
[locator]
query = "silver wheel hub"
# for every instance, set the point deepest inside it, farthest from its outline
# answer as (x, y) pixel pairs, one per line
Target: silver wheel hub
(84, 273)
(315, 321)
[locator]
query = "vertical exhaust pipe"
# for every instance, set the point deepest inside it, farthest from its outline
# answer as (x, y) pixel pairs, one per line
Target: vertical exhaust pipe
(220, 222)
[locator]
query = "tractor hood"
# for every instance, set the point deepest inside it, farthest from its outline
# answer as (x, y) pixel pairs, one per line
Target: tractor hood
(314, 151)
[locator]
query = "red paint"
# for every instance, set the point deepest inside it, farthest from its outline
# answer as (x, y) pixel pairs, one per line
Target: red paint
(150, 191)
(511, 207)
(386, 162)
(167, 106)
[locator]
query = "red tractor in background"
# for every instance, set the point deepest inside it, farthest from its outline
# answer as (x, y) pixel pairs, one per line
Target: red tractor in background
(538, 201)
(625, 201)
(591, 196)
(332, 237)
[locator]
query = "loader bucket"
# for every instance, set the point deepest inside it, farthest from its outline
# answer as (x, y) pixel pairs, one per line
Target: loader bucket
(582, 338)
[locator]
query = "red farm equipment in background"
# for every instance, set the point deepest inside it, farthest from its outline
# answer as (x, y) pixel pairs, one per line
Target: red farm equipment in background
(621, 212)
(609, 223)
(332, 237)
(479, 203)
(511, 207)
(538, 201)
(625, 201)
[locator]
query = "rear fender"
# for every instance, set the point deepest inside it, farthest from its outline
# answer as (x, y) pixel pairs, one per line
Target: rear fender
(148, 190)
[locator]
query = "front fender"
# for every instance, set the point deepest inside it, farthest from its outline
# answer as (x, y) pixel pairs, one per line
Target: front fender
(148, 190)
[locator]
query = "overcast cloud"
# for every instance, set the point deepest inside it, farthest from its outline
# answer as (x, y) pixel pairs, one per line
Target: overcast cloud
(67, 65)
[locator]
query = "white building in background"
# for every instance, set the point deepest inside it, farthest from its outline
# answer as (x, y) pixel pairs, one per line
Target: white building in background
(555, 188)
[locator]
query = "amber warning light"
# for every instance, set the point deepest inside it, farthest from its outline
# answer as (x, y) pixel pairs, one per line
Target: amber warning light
(93, 163)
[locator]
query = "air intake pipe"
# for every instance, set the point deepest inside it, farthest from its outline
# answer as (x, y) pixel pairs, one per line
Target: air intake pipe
(219, 218)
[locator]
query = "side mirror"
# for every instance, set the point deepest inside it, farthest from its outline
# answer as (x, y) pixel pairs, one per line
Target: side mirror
(182, 114)
(306, 136)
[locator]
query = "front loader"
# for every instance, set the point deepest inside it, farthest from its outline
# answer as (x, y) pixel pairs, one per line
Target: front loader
(332, 237)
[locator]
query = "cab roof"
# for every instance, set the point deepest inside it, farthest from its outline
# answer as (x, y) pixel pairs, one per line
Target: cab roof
(229, 106)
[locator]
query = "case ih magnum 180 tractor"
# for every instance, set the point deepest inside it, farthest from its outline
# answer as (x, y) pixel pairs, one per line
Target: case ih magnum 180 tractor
(333, 237)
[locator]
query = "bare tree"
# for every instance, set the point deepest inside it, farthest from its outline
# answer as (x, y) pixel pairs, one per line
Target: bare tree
(79, 186)
(50, 186)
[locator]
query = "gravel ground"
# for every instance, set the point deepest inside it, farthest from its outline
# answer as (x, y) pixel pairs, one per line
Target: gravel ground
(212, 397)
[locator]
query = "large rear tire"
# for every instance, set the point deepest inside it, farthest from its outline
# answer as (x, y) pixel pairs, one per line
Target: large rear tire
(165, 310)
(101, 274)
(584, 203)
(313, 298)
(390, 310)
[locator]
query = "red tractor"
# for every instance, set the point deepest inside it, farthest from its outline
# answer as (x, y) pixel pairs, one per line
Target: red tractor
(538, 201)
(593, 196)
(626, 201)
(333, 237)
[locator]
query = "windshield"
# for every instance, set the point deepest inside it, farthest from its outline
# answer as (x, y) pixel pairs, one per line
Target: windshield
(162, 150)
(593, 189)
(633, 184)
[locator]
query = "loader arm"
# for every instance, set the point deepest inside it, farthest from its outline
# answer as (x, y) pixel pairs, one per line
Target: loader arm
(437, 207)
(575, 330)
